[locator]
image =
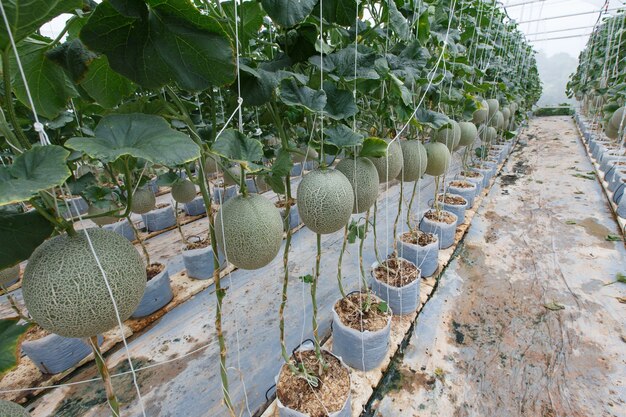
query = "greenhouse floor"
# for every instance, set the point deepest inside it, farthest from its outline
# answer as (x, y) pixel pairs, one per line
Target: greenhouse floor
(522, 322)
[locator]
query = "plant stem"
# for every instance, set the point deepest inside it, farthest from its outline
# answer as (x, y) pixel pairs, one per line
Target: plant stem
(140, 240)
(340, 262)
(375, 235)
(16, 308)
(6, 75)
(316, 337)
(395, 222)
(408, 213)
(180, 230)
(436, 202)
(361, 266)
(106, 376)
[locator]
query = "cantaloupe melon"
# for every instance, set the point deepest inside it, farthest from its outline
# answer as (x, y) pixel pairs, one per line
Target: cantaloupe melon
(232, 175)
(449, 136)
(468, 133)
(64, 288)
(210, 165)
(8, 275)
(389, 166)
(101, 221)
(438, 158)
(488, 134)
(183, 191)
(11, 409)
(616, 118)
(482, 113)
(414, 160)
(143, 201)
(310, 153)
(610, 131)
(497, 121)
(494, 106)
(363, 176)
(249, 231)
(325, 200)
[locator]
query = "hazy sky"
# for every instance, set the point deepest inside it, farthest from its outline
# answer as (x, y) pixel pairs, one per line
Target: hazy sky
(553, 8)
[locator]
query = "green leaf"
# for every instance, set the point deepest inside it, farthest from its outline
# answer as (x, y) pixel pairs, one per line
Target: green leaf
(138, 135)
(159, 41)
(339, 103)
(10, 335)
(250, 16)
(21, 233)
(397, 22)
(49, 86)
(77, 186)
(26, 16)
(584, 176)
(283, 164)
(619, 277)
(374, 148)
(431, 118)
(399, 90)
(341, 12)
(570, 222)
(423, 27)
(257, 85)
(236, 146)
(294, 95)
(288, 12)
(342, 136)
(35, 170)
(73, 57)
(554, 306)
(613, 238)
(382, 306)
(104, 85)
(307, 279)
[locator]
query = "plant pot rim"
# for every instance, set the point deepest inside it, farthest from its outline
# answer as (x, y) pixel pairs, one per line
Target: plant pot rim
(473, 185)
(455, 205)
(435, 221)
(350, 329)
(416, 280)
(435, 242)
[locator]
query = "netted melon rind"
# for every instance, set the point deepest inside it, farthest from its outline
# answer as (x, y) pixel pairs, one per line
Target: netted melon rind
(468, 133)
(494, 106)
(144, 201)
(616, 118)
(414, 160)
(64, 289)
(438, 158)
(363, 176)
(325, 200)
(449, 136)
(394, 158)
(11, 409)
(183, 191)
(249, 231)
(481, 114)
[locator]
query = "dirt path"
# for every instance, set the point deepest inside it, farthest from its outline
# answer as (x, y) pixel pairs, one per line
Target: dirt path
(522, 323)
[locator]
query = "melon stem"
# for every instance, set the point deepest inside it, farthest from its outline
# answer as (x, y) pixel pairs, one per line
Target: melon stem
(178, 227)
(316, 337)
(340, 262)
(140, 241)
(395, 223)
(368, 301)
(106, 376)
(375, 235)
(408, 213)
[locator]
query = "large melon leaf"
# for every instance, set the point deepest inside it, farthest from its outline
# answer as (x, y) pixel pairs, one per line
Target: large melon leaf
(10, 334)
(288, 12)
(35, 170)
(21, 233)
(236, 146)
(139, 135)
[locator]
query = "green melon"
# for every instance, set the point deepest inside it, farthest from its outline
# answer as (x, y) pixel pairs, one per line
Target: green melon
(497, 120)
(494, 106)
(506, 112)
(143, 201)
(482, 113)
(414, 160)
(183, 191)
(616, 118)
(64, 289)
(325, 200)
(610, 131)
(101, 221)
(468, 133)
(488, 134)
(311, 154)
(513, 106)
(232, 175)
(11, 409)
(210, 164)
(449, 136)
(438, 158)
(249, 231)
(394, 157)
(9, 275)
(363, 176)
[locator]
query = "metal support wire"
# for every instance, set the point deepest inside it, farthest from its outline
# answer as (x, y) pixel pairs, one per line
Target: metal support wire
(571, 15)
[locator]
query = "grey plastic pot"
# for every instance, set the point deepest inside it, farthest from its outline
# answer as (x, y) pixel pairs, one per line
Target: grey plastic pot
(220, 195)
(283, 411)
(485, 172)
(159, 219)
(619, 193)
(157, 294)
(426, 258)
(614, 178)
(479, 181)
(296, 169)
(621, 208)
(401, 300)
(294, 216)
(310, 165)
(195, 207)
(53, 354)
(444, 231)
(360, 350)
(123, 228)
(458, 210)
(469, 194)
(199, 262)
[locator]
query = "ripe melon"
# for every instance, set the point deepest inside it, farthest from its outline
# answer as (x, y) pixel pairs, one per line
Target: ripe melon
(487, 134)
(232, 175)
(497, 121)
(449, 136)
(311, 154)
(616, 118)
(64, 289)
(506, 112)
(8, 275)
(183, 191)
(11, 409)
(468, 133)
(325, 200)
(513, 106)
(249, 231)
(610, 131)
(494, 106)
(210, 164)
(363, 177)
(143, 201)
(414, 160)
(482, 113)
(393, 161)
(101, 221)
(438, 158)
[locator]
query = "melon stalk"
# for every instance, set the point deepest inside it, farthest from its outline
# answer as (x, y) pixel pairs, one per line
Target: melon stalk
(103, 370)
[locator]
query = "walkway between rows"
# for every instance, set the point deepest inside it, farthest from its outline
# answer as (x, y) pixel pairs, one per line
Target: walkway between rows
(523, 322)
